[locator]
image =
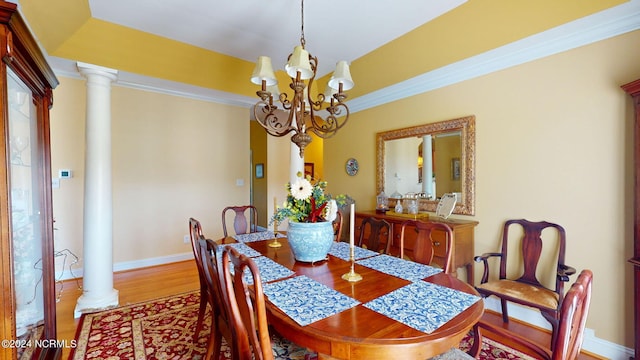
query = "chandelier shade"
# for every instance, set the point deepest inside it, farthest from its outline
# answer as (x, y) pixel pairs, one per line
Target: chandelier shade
(264, 72)
(279, 114)
(299, 62)
(342, 75)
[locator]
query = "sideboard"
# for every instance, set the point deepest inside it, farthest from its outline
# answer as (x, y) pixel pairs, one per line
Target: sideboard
(463, 233)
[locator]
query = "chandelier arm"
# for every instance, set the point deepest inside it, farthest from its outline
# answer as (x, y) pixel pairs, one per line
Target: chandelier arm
(328, 127)
(267, 118)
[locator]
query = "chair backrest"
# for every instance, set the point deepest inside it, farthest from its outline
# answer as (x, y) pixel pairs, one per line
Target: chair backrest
(573, 318)
(249, 314)
(376, 229)
(195, 232)
(337, 226)
(423, 249)
(219, 296)
(531, 250)
(245, 219)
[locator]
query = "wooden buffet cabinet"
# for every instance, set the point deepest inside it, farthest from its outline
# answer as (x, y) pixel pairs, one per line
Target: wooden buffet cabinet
(633, 89)
(28, 302)
(463, 242)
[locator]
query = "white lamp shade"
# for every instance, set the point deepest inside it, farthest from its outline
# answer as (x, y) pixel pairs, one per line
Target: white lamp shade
(328, 93)
(299, 62)
(263, 71)
(275, 91)
(341, 75)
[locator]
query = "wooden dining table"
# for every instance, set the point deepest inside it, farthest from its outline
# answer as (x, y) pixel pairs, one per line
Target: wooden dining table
(359, 332)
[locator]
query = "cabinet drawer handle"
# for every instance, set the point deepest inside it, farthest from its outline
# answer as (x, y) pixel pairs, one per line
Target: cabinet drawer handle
(436, 243)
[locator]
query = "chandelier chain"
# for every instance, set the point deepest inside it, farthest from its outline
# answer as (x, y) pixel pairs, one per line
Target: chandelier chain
(302, 41)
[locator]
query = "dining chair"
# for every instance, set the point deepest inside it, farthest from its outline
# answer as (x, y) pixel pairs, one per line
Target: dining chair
(195, 232)
(245, 219)
(573, 317)
(337, 226)
(248, 310)
(218, 298)
(425, 245)
(526, 289)
(372, 231)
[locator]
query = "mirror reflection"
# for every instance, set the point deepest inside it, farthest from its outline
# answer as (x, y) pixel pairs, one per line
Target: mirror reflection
(428, 161)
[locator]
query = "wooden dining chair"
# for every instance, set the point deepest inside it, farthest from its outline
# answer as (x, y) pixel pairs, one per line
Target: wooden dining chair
(526, 289)
(573, 317)
(218, 298)
(337, 226)
(425, 244)
(245, 219)
(248, 315)
(195, 232)
(248, 310)
(372, 231)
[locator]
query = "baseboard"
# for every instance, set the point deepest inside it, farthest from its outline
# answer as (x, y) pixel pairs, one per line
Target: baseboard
(592, 344)
(130, 265)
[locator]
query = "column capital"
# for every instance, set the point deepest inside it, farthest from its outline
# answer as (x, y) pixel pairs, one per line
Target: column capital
(90, 69)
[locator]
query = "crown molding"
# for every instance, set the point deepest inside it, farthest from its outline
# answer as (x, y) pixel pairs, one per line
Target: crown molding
(603, 25)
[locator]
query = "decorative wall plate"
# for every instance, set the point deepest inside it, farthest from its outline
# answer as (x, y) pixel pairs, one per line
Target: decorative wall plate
(352, 166)
(446, 204)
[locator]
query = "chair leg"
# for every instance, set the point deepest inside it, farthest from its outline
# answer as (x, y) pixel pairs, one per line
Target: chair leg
(555, 322)
(214, 342)
(505, 314)
(477, 342)
(201, 312)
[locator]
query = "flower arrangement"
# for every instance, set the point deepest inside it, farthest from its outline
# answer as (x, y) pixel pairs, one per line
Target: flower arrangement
(307, 202)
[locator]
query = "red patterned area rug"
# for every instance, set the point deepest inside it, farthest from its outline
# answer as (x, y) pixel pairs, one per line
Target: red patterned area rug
(163, 329)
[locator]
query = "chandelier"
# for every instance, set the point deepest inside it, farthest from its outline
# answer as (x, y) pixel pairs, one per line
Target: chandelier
(300, 114)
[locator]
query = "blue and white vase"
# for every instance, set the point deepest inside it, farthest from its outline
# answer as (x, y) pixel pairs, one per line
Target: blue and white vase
(310, 242)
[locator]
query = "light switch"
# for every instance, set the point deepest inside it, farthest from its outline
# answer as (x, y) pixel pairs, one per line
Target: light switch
(239, 182)
(55, 183)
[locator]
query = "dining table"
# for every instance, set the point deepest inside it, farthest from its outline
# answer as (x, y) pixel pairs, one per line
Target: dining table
(398, 310)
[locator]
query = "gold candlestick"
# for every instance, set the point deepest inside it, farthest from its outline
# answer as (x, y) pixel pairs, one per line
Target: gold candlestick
(275, 243)
(352, 276)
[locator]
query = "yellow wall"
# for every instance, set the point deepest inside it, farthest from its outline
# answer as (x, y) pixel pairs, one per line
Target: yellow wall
(259, 156)
(553, 142)
(172, 159)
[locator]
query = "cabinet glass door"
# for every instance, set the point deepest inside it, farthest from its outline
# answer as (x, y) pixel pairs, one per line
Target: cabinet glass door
(25, 208)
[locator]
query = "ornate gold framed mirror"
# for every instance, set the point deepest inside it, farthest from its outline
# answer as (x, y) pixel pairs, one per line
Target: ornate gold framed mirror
(428, 161)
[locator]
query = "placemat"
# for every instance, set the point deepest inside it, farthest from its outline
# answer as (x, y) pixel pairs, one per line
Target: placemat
(401, 268)
(306, 300)
(422, 305)
(342, 251)
(269, 270)
(256, 236)
(244, 249)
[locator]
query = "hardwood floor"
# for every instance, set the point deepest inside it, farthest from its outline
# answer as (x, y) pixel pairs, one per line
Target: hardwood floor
(164, 280)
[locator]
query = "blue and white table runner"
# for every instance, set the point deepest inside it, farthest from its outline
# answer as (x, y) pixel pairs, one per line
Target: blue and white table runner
(342, 250)
(401, 268)
(256, 236)
(306, 300)
(423, 306)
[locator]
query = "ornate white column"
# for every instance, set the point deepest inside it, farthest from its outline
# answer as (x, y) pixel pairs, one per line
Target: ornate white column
(97, 284)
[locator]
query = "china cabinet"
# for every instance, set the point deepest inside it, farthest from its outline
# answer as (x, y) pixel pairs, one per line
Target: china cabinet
(26, 223)
(633, 89)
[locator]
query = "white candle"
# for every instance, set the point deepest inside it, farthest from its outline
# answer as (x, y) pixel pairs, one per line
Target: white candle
(352, 221)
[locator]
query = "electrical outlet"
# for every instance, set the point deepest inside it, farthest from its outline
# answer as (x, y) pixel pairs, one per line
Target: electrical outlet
(187, 239)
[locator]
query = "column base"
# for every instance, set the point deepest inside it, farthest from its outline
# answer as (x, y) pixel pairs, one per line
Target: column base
(88, 304)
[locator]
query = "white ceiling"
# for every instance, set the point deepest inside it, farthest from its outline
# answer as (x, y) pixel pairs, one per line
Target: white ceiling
(334, 29)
